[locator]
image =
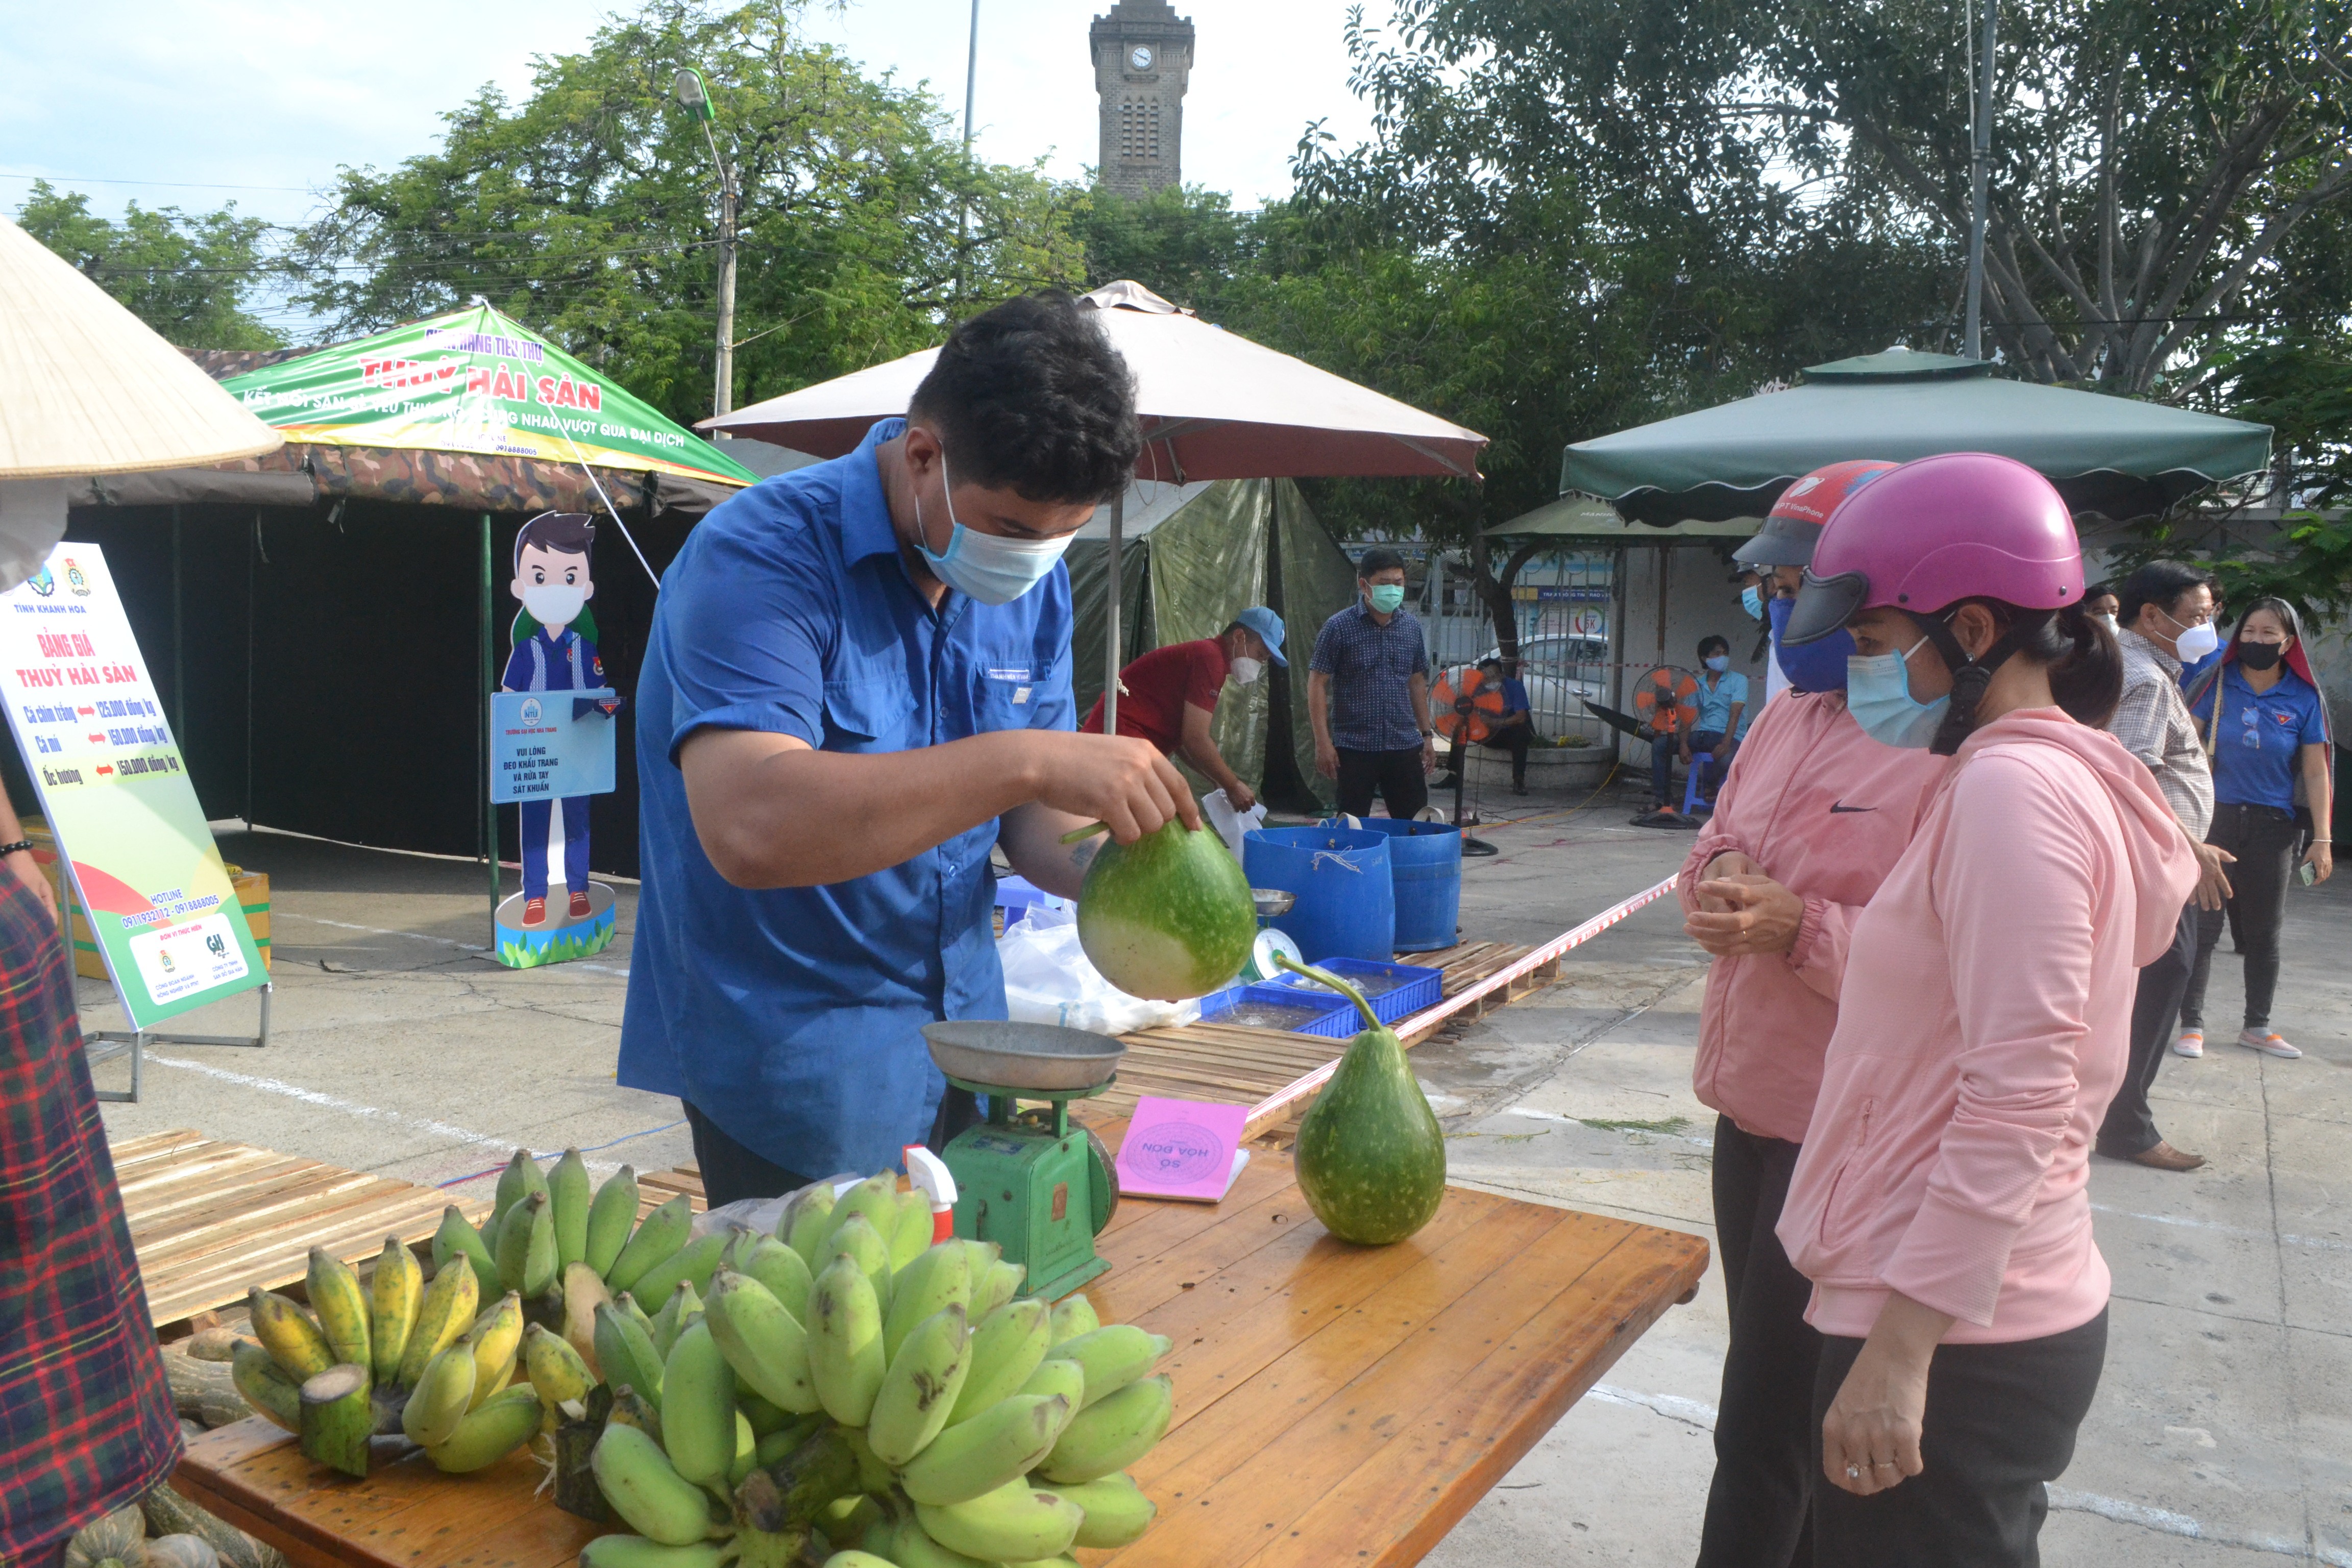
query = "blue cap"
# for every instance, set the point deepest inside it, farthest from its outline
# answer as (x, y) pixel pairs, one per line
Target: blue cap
(1268, 624)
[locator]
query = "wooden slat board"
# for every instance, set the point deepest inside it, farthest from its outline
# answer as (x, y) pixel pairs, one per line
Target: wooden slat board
(1236, 1065)
(209, 1220)
(1335, 1404)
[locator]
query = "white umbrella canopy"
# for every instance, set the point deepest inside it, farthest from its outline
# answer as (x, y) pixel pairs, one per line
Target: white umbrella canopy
(1214, 405)
(86, 388)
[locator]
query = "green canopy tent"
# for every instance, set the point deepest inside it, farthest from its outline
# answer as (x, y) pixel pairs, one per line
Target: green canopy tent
(332, 610)
(2114, 456)
(1194, 556)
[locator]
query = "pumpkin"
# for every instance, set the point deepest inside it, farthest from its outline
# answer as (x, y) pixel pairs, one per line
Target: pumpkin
(1370, 1157)
(119, 1537)
(182, 1551)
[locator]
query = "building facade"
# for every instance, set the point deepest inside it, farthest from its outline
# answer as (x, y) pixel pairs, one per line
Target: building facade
(1143, 59)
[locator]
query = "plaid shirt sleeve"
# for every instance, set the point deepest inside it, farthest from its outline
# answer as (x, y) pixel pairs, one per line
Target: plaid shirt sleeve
(86, 1421)
(2154, 724)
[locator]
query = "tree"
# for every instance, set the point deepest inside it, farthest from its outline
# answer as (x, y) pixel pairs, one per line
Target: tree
(1182, 242)
(189, 275)
(591, 212)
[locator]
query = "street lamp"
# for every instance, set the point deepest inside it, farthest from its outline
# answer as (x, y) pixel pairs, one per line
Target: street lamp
(694, 95)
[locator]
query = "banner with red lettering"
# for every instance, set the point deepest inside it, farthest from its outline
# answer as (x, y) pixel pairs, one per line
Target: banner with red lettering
(474, 381)
(117, 795)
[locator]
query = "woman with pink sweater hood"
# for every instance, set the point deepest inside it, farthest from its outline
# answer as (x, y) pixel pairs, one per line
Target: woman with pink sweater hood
(1939, 1205)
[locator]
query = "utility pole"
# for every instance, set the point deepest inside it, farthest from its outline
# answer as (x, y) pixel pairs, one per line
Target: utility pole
(1979, 169)
(971, 85)
(694, 93)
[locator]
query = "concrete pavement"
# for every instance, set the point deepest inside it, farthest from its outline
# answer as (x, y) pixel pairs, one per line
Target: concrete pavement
(2221, 1434)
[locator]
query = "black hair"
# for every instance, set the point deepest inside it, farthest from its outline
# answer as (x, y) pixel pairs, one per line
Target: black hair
(2098, 590)
(1031, 396)
(2278, 607)
(2085, 665)
(564, 533)
(1378, 558)
(1711, 642)
(2160, 582)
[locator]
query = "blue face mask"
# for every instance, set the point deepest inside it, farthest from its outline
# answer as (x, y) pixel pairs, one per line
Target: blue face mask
(1386, 597)
(988, 567)
(1816, 666)
(1717, 662)
(1878, 695)
(1751, 599)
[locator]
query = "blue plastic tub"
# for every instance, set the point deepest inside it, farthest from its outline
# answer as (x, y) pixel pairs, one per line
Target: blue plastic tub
(1394, 990)
(1426, 869)
(1347, 901)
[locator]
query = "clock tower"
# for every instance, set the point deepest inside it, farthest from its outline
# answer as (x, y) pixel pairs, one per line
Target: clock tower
(1143, 57)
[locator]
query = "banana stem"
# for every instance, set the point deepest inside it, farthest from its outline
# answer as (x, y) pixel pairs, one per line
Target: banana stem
(1074, 835)
(1324, 977)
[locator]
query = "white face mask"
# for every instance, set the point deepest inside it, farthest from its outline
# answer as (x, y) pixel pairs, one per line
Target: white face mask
(1246, 670)
(2194, 642)
(554, 604)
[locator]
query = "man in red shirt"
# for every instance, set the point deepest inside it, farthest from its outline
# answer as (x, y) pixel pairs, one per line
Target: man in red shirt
(1169, 695)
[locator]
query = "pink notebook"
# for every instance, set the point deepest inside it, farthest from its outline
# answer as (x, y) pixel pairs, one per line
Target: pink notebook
(1181, 1148)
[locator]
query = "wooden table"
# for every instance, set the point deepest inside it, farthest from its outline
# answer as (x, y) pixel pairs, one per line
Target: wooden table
(209, 1220)
(1335, 1404)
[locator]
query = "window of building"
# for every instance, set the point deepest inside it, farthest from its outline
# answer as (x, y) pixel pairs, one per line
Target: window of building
(1139, 129)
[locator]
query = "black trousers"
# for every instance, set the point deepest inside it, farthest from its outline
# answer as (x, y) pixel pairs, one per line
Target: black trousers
(1397, 776)
(1999, 1426)
(1758, 1507)
(2265, 839)
(1514, 741)
(1664, 749)
(731, 1171)
(2130, 1125)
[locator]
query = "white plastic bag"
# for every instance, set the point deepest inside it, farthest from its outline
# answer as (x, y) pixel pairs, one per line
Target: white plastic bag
(1231, 823)
(1047, 980)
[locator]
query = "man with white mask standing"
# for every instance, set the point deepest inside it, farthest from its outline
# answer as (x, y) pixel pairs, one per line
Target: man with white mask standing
(2166, 610)
(858, 683)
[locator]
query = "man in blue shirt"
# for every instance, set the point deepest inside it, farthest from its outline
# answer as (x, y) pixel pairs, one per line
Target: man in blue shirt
(1368, 696)
(859, 681)
(1516, 728)
(1722, 704)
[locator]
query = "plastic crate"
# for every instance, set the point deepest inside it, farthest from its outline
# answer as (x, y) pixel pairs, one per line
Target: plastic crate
(1403, 988)
(1265, 1005)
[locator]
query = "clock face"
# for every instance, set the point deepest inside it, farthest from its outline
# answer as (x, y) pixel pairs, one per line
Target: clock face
(1140, 59)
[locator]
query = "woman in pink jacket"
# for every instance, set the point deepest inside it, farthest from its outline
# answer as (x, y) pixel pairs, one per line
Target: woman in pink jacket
(1939, 1206)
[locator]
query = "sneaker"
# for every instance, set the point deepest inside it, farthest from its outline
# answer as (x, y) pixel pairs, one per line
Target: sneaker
(534, 912)
(2192, 1043)
(2269, 1044)
(579, 906)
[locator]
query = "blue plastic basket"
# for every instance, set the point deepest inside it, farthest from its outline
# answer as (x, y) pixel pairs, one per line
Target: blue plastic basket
(1409, 987)
(1248, 1006)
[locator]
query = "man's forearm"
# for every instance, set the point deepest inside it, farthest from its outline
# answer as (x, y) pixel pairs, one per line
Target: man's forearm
(1031, 839)
(1319, 705)
(800, 818)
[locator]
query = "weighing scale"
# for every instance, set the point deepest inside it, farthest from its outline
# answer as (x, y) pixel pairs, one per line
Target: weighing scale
(1031, 1181)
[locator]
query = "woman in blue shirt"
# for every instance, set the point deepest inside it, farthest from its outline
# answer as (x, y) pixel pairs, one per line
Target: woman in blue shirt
(2264, 723)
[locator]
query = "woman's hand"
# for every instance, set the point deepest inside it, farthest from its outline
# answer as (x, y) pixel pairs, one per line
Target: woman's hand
(1730, 863)
(29, 871)
(1759, 916)
(1870, 1438)
(2320, 858)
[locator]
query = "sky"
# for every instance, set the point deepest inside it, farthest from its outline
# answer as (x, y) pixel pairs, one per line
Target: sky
(197, 102)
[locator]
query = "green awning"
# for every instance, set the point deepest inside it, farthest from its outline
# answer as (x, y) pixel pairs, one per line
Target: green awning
(1583, 523)
(2117, 457)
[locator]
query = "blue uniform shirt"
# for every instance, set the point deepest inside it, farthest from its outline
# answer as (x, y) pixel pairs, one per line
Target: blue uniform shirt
(541, 663)
(2258, 750)
(790, 1016)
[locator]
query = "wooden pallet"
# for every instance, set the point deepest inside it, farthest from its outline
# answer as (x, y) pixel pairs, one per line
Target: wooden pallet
(209, 1220)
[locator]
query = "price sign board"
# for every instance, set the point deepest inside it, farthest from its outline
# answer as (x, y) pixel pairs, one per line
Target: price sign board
(116, 793)
(550, 745)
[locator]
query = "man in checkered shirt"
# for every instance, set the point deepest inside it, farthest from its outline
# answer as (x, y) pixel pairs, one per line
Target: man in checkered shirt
(2166, 614)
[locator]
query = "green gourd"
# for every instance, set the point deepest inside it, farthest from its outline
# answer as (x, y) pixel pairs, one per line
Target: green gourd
(1167, 917)
(1370, 1156)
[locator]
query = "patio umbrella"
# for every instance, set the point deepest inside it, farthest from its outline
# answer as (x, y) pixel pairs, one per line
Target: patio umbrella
(86, 388)
(1214, 405)
(2117, 457)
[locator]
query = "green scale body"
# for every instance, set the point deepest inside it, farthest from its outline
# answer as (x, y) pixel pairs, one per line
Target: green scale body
(1036, 1184)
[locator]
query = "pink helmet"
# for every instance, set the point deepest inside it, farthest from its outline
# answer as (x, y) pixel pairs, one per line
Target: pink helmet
(1936, 531)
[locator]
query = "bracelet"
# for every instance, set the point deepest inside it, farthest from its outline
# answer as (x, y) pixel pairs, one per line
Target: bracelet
(22, 846)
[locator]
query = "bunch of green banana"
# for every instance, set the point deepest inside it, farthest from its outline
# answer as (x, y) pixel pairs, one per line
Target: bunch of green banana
(965, 1425)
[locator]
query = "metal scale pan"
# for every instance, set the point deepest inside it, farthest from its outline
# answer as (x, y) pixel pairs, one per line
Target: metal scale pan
(1042, 1060)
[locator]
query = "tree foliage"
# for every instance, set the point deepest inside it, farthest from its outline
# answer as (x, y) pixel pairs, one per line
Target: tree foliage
(591, 211)
(190, 275)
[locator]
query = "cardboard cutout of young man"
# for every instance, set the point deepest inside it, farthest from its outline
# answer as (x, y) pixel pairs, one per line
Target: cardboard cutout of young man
(552, 578)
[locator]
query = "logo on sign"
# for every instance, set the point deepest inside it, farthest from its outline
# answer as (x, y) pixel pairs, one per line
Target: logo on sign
(215, 945)
(1179, 1152)
(75, 580)
(43, 584)
(531, 710)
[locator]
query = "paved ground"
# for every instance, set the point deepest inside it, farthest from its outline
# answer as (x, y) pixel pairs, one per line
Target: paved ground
(2223, 1433)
